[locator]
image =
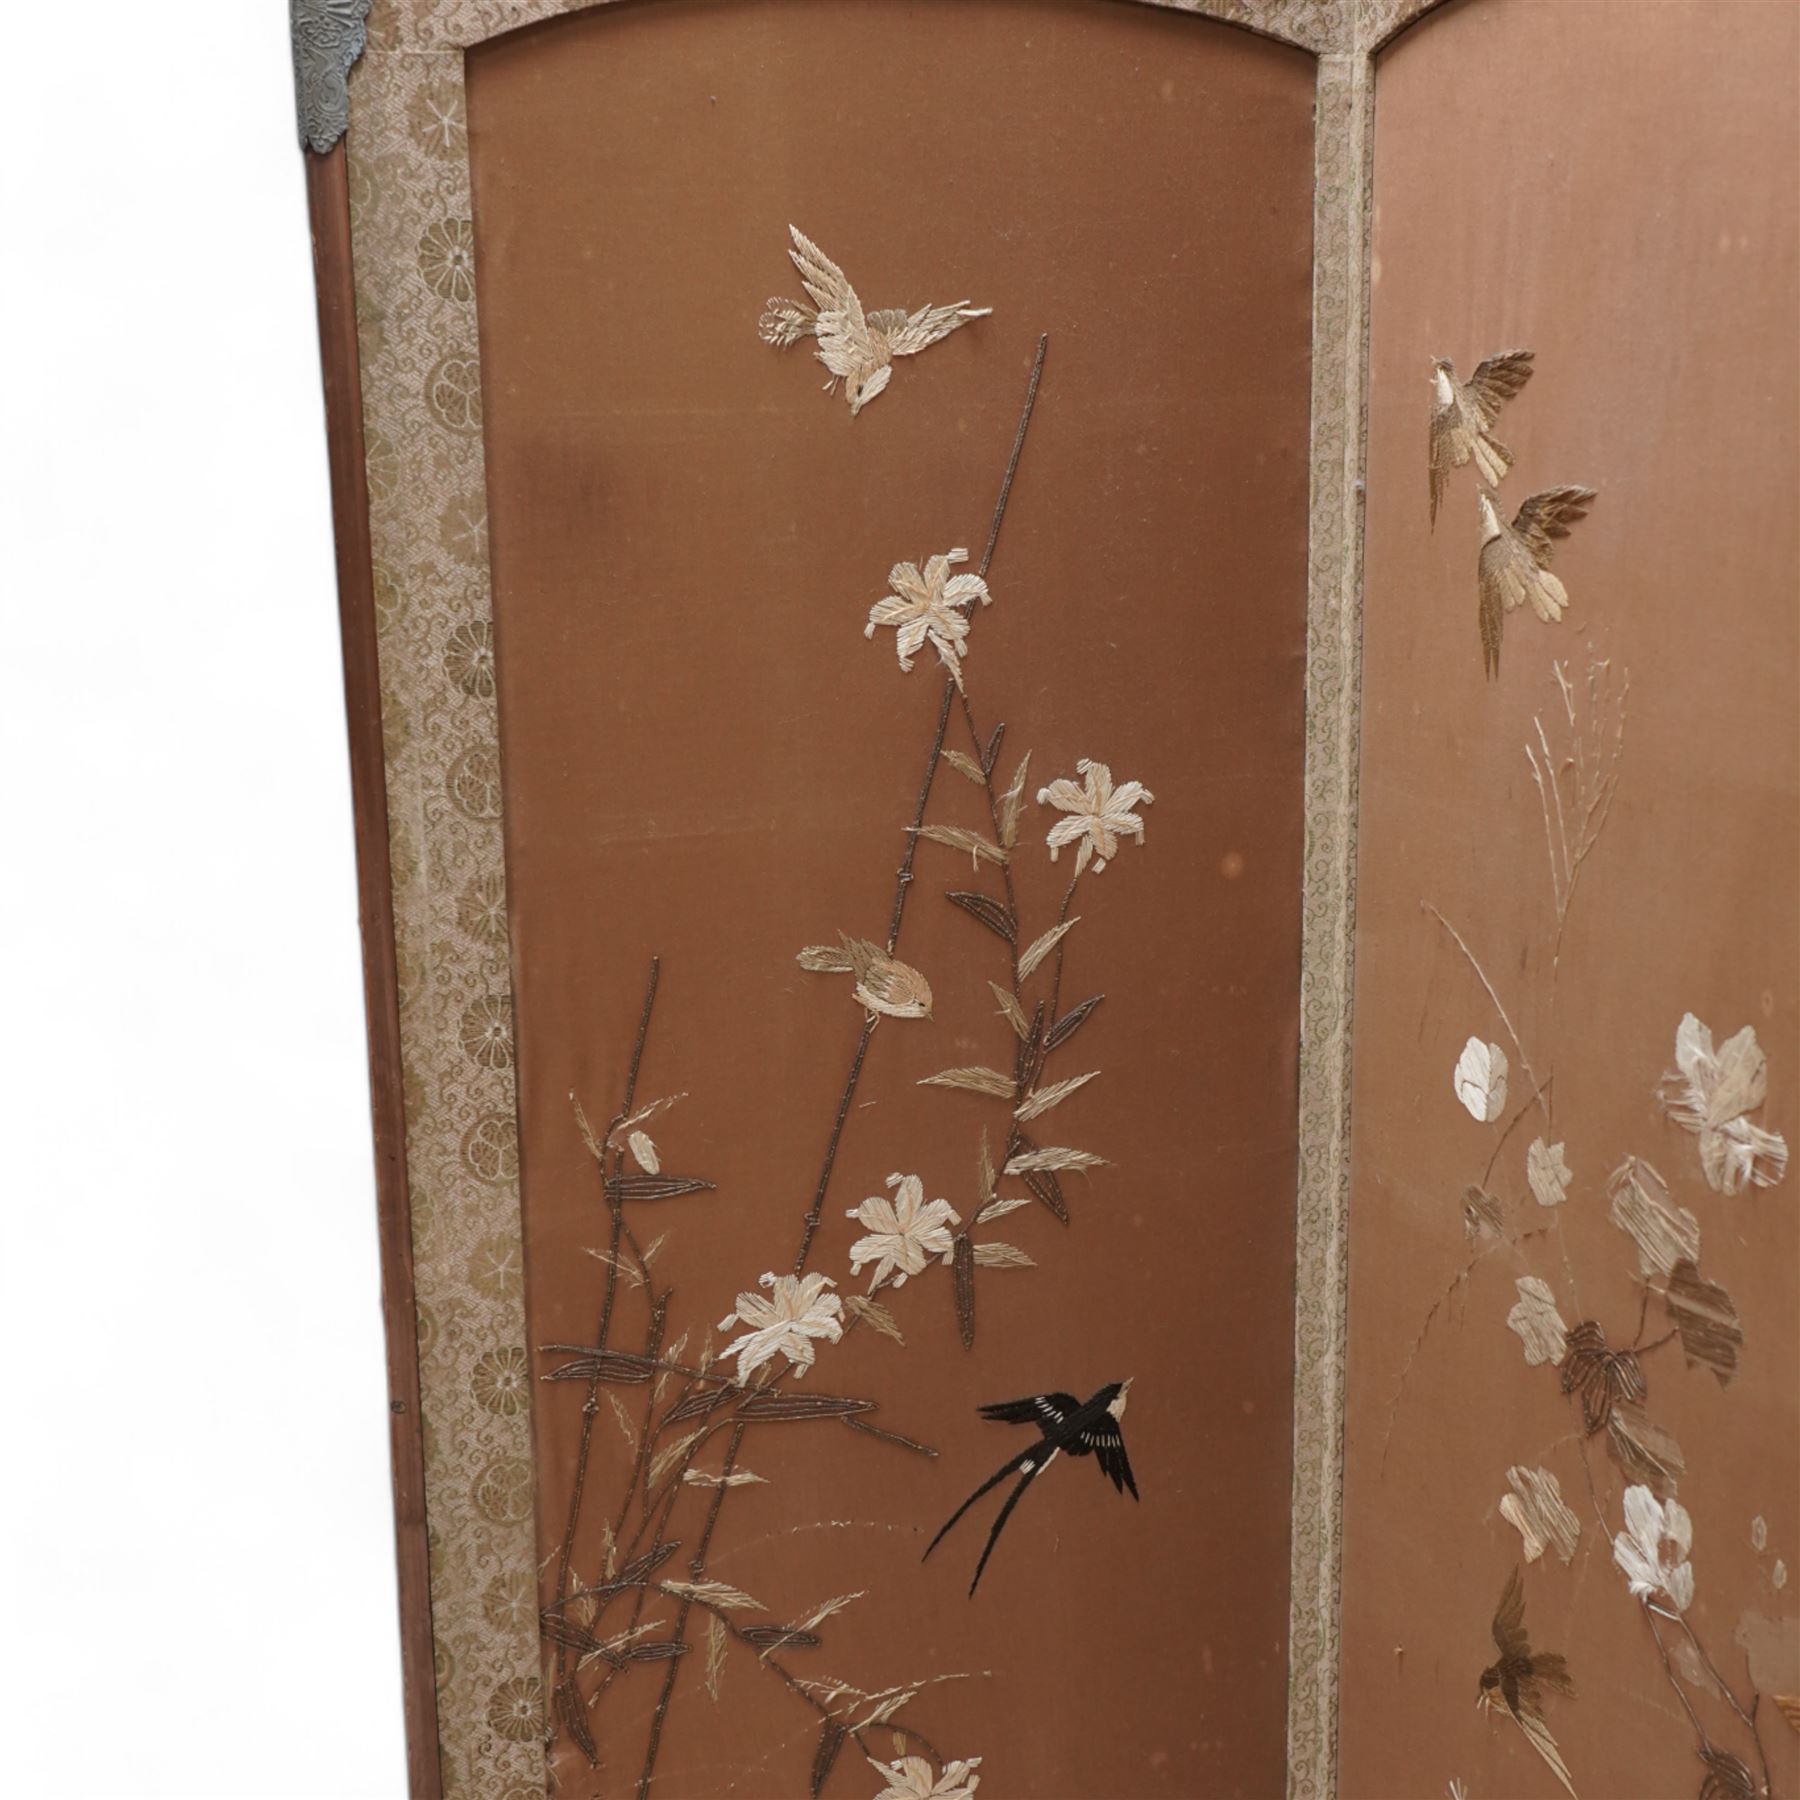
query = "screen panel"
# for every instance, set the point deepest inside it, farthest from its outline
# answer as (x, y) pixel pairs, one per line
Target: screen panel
(706, 761)
(1613, 189)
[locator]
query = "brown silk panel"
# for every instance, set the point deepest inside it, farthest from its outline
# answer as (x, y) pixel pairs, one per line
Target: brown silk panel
(1612, 186)
(705, 760)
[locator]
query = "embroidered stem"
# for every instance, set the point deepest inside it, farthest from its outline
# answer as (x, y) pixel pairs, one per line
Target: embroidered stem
(615, 1208)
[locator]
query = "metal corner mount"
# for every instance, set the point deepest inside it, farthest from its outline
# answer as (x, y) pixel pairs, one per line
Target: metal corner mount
(329, 36)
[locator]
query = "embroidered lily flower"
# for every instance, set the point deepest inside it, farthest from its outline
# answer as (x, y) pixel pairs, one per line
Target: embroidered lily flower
(932, 607)
(1652, 1549)
(910, 1778)
(1709, 1092)
(797, 1310)
(1099, 814)
(905, 1233)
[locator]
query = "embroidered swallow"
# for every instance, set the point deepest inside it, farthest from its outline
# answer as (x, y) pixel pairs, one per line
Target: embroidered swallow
(1463, 415)
(1080, 1427)
(1515, 561)
(858, 349)
(1517, 1682)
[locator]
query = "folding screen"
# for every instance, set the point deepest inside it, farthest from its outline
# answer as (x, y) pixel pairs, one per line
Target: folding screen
(859, 794)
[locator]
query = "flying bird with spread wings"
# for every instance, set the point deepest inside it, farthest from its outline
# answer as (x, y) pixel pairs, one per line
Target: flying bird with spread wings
(858, 348)
(1463, 415)
(1516, 1683)
(1515, 561)
(1079, 1427)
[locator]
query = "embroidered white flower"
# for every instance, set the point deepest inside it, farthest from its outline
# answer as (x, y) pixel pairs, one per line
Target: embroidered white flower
(1709, 1092)
(797, 1310)
(905, 1233)
(1099, 814)
(1652, 1550)
(934, 606)
(910, 1778)
(1481, 1080)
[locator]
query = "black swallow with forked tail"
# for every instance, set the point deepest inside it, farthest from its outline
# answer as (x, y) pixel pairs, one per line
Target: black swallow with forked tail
(1080, 1427)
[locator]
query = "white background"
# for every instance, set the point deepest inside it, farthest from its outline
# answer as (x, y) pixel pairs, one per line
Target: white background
(194, 1499)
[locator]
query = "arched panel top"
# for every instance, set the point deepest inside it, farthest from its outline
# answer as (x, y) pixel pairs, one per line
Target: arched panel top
(415, 26)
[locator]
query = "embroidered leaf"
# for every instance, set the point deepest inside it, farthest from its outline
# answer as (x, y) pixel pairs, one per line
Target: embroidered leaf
(1539, 1325)
(644, 1150)
(1547, 1173)
(874, 1315)
(953, 837)
(1055, 1158)
(1535, 1507)
(1788, 1705)
(1702, 1312)
(1537, 1734)
(573, 1713)
(962, 1269)
(737, 1478)
(1040, 1101)
(1048, 1190)
(984, 1170)
(966, 765)
(697, 1406)
(991, 754)
(625, 1425)
(764, 1638)
(825, 959)
(1664, 1233)
(989, 911)
(831, 1741)
(608, 1365)
(1643, 1450)
(1002, 1256)
(998, 1208)
(771, 1405)
(647, 1564)
(716, 1640)
(654, 1187)
(713, 1593)
(1481, 1080)
(830, 1609)
(1602, 1377)
(670, 1454)
(1014, 1013)
(974, 1081)
(663, 1650)
(1070, 1023)
(1041, 947)
(1012, 804)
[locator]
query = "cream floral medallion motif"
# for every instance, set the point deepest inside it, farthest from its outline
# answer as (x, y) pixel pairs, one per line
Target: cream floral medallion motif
(410, 197)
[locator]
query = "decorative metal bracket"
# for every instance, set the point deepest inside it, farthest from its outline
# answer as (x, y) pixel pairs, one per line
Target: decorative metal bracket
(329, 36)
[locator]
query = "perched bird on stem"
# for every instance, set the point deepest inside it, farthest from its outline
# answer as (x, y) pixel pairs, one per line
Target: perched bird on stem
(1463, 415)
(1081, 1427)
(884, 984)
(1515, 561)
(858, 348)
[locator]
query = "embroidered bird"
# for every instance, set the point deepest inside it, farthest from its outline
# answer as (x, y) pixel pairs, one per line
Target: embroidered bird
(1515, 561)
(858, 348)
(1517, 1682)
(1080, 1427)
(1463, 414)
(884, 984)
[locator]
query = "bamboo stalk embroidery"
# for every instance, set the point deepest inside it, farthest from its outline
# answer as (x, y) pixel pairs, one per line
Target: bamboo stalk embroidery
(697, 1425)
